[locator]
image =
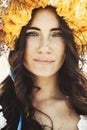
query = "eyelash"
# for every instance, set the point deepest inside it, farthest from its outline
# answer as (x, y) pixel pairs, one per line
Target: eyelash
(34, 34)
(31, 34)
(57, 34)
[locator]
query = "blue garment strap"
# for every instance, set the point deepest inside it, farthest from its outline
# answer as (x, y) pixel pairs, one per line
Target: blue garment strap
(20, 123)
(11, 74)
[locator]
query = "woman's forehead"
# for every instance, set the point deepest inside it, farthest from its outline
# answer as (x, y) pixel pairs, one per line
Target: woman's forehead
(45, 17)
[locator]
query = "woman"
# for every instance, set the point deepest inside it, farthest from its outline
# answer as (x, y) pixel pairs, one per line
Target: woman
(47, 89)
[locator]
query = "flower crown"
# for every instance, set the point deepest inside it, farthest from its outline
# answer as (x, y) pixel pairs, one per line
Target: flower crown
(18, 14)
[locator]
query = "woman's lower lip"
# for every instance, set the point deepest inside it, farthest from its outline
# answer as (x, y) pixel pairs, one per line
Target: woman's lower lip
(43, 62)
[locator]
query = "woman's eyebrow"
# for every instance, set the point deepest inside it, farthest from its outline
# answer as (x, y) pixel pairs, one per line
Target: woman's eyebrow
(35, 28)
(54, 29)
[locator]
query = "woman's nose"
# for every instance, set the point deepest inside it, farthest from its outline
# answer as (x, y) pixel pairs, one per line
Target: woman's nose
(44, 47)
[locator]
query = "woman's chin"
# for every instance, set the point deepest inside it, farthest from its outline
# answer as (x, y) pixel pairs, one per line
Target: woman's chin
(43, 73)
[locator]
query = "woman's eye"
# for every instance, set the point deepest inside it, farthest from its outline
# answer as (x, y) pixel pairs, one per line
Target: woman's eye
(57, 34)
(31, 34)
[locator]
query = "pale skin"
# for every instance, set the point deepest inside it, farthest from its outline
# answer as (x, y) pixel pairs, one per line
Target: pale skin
(44, 56)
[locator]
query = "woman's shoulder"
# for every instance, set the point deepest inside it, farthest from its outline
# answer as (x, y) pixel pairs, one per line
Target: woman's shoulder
(82, 123)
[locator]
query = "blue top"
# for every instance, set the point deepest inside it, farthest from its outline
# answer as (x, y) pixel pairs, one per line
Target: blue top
(20, 123)
(11, 74)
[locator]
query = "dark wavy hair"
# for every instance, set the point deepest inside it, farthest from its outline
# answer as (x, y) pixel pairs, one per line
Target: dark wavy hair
(17, 95)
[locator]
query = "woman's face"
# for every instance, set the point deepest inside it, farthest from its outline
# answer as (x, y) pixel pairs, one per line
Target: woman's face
(45, 49)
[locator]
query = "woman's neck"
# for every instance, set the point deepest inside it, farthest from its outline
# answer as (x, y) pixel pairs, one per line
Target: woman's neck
(48, 88)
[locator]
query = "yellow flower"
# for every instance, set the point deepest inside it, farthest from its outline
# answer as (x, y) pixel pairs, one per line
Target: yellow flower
(42, 3)
(17, 17)
(54, 2)
(30, 3)
(79, 36)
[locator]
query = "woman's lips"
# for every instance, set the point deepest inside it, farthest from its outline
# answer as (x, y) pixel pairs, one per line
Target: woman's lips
(45, 61)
